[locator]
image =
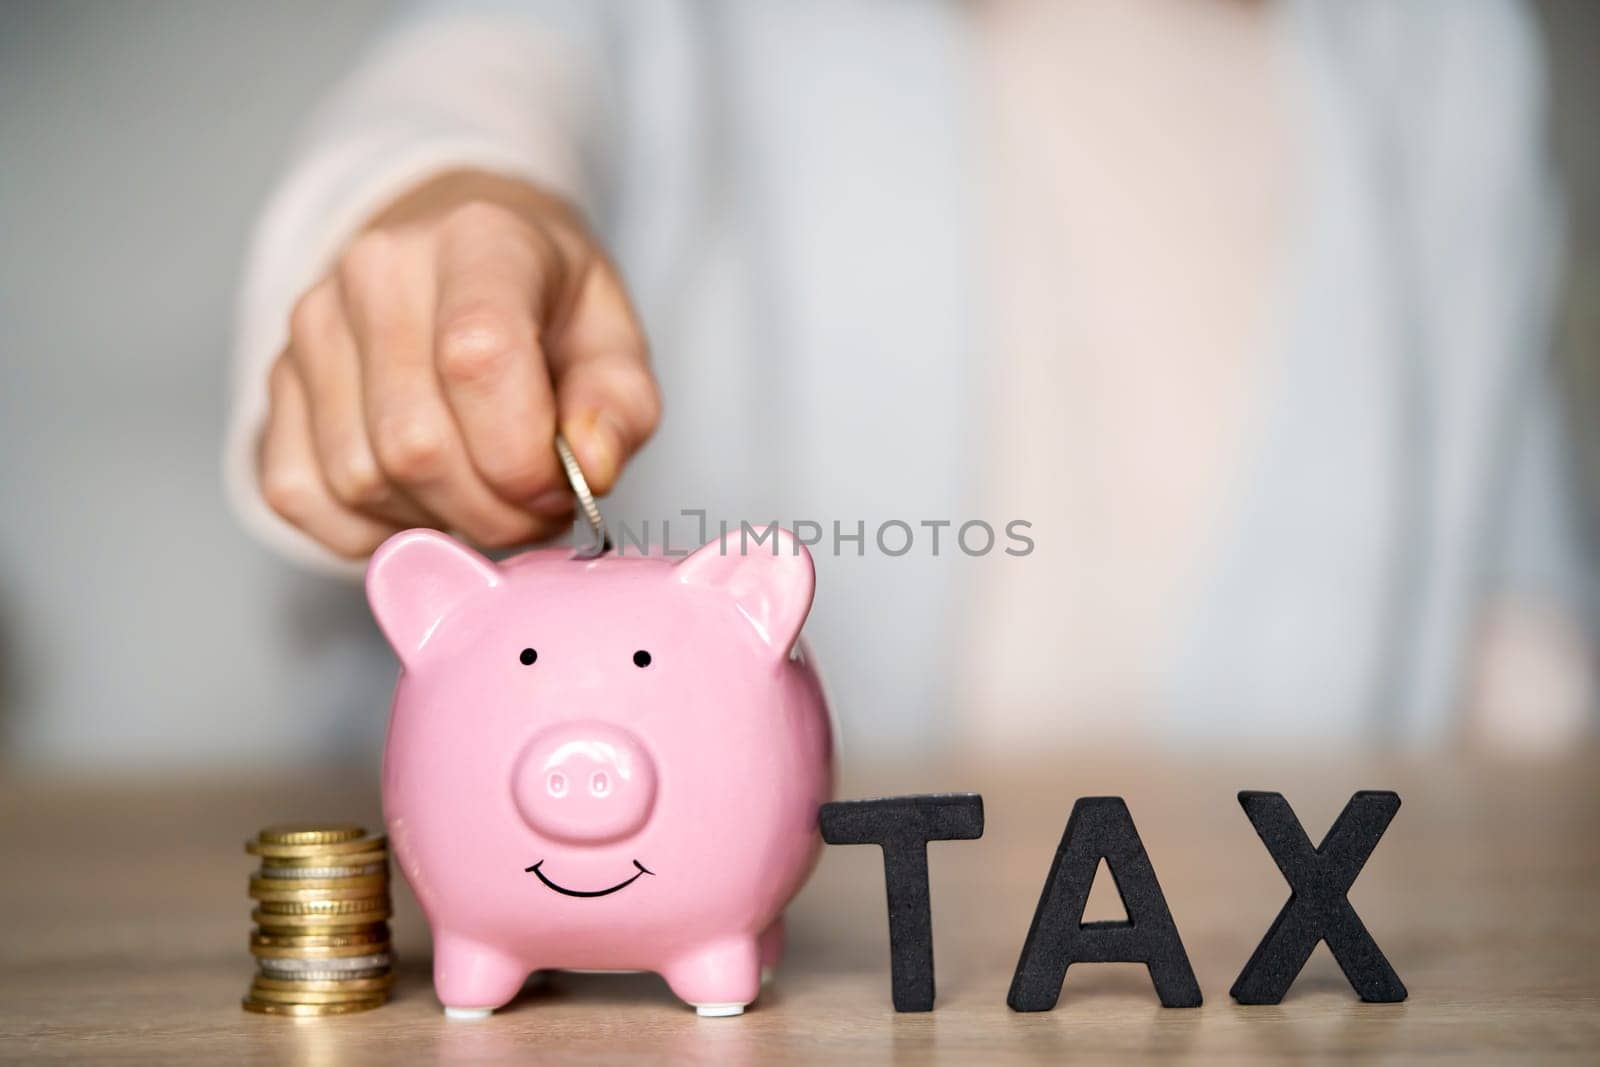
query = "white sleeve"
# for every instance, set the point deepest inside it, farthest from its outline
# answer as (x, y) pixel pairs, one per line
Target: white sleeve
(488, 89)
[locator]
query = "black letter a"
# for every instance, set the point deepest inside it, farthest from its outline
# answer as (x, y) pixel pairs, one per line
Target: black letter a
(1100, 827)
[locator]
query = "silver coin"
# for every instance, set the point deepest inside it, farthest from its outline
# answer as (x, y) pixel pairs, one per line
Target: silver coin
(591, 511)
(297, 873)
(282, 966)
(325, 976)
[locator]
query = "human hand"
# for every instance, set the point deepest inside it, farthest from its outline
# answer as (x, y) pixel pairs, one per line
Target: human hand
(427, 374)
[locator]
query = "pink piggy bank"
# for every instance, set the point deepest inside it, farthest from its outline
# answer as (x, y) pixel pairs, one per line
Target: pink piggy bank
(608, 764)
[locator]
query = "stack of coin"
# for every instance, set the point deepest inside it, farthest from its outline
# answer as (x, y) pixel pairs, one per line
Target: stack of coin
(321, 941)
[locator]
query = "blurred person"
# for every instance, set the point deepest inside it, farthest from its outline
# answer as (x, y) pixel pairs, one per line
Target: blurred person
(1244, 306)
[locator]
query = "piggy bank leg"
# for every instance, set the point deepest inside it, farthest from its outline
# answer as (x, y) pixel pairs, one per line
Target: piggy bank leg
(718, 979)
(770, 948)
(472, 980)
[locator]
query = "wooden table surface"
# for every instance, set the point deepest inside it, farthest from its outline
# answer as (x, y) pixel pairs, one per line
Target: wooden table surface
(125, 924)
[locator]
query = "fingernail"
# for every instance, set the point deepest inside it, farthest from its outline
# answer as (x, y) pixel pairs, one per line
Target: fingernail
(598, 444)
(552, 504)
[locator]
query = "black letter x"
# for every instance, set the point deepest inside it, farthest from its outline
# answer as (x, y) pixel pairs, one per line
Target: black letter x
(1318, 908)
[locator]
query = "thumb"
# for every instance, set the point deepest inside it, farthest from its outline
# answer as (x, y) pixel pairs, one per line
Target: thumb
(607, 401)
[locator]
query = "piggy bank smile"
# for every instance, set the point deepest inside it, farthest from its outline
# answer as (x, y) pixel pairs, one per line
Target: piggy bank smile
(567, 892)
(585, 783)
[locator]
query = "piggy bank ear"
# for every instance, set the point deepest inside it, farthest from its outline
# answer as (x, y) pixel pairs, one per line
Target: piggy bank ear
(770, 581)
(415, 579)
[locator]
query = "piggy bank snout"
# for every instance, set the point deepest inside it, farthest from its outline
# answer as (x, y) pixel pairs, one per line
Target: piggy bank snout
(585, 783)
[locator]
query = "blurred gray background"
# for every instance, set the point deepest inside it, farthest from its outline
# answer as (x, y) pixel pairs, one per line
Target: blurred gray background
(138, 626)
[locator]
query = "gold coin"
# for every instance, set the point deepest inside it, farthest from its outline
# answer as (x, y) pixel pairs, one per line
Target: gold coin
(310, 833)
(315, 924)
(322, 859)
(332, 849)
(318, 924)
(270, 1007)
(279, 877)
(376, 910)
(273, 996)
(343, 985)
(285, 996)
(282, 889)
(312, 953)
(377, 953)
(343, 906)
(331, 952)
(370, 935)
(375, 894)
(283, 885)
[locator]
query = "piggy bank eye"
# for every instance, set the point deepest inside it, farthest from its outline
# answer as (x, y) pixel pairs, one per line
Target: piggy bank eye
(529, 657)
(641, 658)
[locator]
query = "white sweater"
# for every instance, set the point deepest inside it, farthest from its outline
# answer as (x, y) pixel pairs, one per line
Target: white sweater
(803, 198)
